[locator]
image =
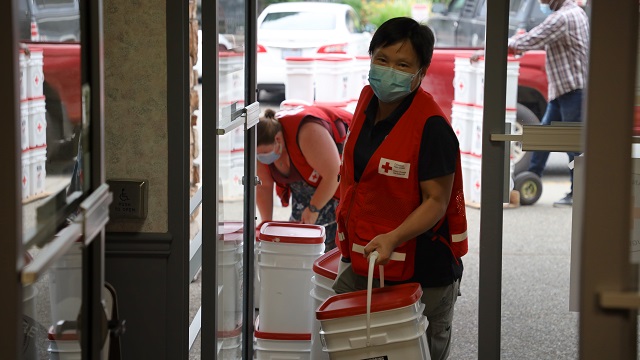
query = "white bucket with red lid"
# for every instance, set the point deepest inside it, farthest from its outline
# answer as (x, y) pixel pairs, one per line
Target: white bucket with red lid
(285, 260)
(64, 342)
(279, 346)
(325, 272)
(384, 323)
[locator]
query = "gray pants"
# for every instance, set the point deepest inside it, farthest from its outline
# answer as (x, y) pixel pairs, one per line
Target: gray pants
(438, 301)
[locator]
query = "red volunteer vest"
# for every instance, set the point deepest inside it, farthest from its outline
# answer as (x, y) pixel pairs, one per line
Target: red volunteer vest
(291, 120)
(389, 190)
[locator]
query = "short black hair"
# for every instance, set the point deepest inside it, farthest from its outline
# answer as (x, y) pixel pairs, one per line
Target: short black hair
(400, 29)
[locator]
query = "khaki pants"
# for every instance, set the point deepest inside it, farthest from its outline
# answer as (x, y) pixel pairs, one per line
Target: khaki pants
(438, 301)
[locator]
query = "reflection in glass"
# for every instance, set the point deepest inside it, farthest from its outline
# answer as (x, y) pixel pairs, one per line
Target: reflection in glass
(51, 307)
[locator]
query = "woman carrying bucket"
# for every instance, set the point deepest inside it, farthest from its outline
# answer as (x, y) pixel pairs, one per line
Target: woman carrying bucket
(298, 151)
(401, 182)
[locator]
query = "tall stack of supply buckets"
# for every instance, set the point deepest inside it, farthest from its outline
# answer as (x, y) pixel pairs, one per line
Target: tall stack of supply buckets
(285, 268)
(231, 159)
(393, 328)
(325, 271)
(33, 123)
(330, 80)
(467, 114)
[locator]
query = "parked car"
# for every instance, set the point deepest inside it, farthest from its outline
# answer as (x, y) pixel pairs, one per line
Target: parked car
(305, 29)
(462, 23)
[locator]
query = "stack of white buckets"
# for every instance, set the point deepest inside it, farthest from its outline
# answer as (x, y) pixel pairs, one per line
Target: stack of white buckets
(467, 113)
(231, 270)
(332, 80)
(286, 255)
(33, 123)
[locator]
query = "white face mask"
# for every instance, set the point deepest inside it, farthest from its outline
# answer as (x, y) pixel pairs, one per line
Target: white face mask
(390, 84)
(270, 157)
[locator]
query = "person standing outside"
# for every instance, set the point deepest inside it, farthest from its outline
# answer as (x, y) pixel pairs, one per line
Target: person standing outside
(564, 34)
(401, 182)
(298, 152)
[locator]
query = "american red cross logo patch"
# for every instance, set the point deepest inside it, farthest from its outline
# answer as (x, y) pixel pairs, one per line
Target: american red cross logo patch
(393, 168)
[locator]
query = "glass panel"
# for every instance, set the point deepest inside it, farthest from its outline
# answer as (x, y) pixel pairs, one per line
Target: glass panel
(51, 108)
(231, 239)
(52, 167)
(51, 307)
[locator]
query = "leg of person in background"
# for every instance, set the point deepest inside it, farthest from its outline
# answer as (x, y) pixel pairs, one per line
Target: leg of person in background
(539, 158)
(571, 111)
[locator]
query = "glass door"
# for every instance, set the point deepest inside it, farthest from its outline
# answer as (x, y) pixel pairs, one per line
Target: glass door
(58, 200)
(227, 114)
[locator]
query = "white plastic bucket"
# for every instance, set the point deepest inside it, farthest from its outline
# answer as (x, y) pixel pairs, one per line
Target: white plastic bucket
(26, 175)
(65, 285)
(472, 177)
(64, 344)
(230, 270)
(280, 346)
(231, 344)
(359, 76)
(37, 122)
(231, 71)
(462, 124)
(35, 74)
(513, 68)
(285, 261)
(23, 75)
(332, 78)
(513, 71)
(325, 270)
(475, 132)
(24, 125)
(37, 170)
(464, 80)
(299, 81)
(397, 326)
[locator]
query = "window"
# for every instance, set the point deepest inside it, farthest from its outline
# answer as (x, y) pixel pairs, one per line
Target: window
(299, 21)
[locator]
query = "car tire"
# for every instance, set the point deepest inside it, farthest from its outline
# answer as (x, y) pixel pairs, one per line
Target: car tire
(521, 158)
(529, 185)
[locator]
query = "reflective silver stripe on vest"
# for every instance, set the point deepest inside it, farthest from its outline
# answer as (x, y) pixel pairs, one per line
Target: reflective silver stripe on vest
(341, 236)
(459, 237)
(394, 255)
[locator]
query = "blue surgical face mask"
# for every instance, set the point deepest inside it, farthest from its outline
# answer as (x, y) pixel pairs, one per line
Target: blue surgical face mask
(390, 84)
(269, 158)
(546, 9)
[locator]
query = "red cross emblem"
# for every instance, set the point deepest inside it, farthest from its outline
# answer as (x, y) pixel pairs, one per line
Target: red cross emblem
(386, 167)
(477, 185)
(24, 181)
(39, 127)
(37, 80)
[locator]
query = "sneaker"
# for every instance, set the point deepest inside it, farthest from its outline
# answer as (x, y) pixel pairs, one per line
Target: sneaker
(565, 201)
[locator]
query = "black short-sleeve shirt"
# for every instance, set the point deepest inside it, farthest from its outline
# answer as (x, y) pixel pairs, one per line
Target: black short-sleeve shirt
(435, 264)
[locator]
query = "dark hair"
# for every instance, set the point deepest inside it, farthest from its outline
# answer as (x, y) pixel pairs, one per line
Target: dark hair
(268, 127)
(400, 29)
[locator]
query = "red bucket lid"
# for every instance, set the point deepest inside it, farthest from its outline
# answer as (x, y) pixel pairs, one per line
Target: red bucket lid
(382, 299)
(327, 264)
(277, 336)
(293, 233)
(64, 335)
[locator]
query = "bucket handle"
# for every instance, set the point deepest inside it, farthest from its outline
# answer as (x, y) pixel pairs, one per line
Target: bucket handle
(372, 261)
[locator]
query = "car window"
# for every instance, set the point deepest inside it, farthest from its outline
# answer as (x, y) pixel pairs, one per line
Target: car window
(353, 22)
(299, 21)
(456, 6)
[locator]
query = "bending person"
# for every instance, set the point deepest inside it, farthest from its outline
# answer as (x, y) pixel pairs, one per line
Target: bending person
(298, 152)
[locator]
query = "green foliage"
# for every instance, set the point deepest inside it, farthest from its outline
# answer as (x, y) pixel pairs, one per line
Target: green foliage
(377, 12)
